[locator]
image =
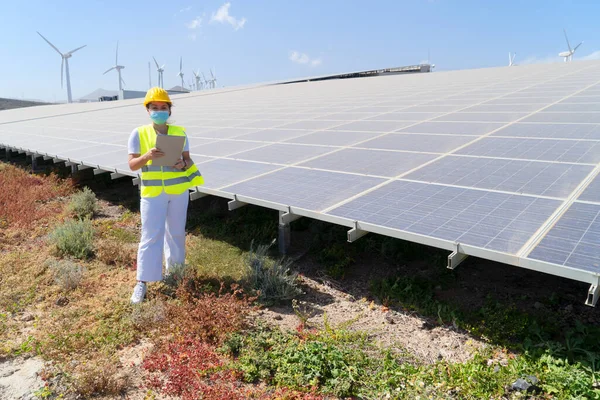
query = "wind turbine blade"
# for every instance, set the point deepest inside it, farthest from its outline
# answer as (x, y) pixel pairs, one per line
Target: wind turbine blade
(79, 48)
(53, 46)
(577, 47)
(108, 70)
(123, 80)
(117, 54)
(62, 64)
(568, 44)
(180, 63)
(156, 62)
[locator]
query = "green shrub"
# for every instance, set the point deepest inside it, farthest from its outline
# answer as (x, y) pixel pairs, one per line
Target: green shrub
(74, 238)
(83, 204)
(272, 279)
(67, 274)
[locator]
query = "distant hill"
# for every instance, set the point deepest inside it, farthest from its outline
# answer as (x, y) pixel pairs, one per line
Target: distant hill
(7, 104)
(179, 89)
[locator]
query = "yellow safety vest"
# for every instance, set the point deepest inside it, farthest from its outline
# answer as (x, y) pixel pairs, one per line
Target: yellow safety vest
(171, 180)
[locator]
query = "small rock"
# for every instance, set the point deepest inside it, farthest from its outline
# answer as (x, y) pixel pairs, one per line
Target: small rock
(62, 301)
(27, 317)
(496, 369)
(532, 379)
(278, 317)
(520, 385)
(438, 287)
(389, 317)
(8, 373)
(537, 305)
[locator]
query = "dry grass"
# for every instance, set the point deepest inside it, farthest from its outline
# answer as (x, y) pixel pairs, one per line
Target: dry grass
(26, 199)
(113, 252)
(99, 376)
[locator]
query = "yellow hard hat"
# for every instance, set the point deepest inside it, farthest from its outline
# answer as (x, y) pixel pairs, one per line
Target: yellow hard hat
(156, 94)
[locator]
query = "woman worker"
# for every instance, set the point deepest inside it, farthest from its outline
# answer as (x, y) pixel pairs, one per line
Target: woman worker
(164, 193)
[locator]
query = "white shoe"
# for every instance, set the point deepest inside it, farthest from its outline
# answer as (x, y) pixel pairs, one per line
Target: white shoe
(139, 292)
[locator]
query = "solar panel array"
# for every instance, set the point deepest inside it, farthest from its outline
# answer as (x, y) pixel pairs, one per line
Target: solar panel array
(502, 161)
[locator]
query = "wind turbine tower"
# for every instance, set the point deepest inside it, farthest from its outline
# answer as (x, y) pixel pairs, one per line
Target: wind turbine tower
(64, 65)
(160, 70)
(118, 68)
(198, 80)
(568, 55)
(180, 74)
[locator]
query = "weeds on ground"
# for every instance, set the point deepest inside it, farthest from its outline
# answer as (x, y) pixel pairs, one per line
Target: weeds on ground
(113, 252)
(208, 316)
(272, 279)
(213, 259)
(67, 274)
(26, 199)
(73, 238)
(84, 204)
(100, 376)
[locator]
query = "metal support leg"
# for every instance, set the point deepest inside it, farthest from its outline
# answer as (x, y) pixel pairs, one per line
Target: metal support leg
(33, 163)
(593, 294)
(235, 203)
(284, 238)
(355, 233)
(73, 169)
(197, 195)
(8, 155)
(116, 175)
(82, 167)
(456, 257)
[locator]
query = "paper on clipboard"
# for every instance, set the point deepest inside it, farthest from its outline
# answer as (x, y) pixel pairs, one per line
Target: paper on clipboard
(172, 146)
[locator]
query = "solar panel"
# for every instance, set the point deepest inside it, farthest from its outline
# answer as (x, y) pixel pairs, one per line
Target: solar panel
(499, 163)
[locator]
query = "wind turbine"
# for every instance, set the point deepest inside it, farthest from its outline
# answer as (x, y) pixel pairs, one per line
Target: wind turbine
(206, 82)
(118, 68)
(64, 65)
(198, 80)
(568, 55)
(213, 81)
(511, 59)
(180, 74)
(160, 72)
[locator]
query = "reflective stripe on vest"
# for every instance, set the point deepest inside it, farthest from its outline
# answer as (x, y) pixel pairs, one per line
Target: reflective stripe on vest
(156, 179)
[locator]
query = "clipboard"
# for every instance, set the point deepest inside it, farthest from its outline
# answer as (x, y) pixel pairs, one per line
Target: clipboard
(172, 146)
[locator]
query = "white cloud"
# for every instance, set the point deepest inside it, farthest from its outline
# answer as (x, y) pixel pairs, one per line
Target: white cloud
(195, 23)
(302, 58)
(183, 10)
(222, 16)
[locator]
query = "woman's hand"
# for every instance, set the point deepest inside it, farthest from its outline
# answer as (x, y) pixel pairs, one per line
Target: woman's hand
(180, 164)
(153, 154)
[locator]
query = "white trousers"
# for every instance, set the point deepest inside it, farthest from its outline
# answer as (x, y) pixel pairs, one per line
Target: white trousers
(163, 234)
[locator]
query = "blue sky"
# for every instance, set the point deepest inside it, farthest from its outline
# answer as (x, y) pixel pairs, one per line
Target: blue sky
(254, 40)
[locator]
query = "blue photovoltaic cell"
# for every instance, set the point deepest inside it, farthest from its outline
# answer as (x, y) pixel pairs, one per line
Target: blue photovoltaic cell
(453, 128)
(527, 177)
(553, 131)
(574, 241)
(494, 221)
(573, 151)
(309, 189)
(370, 162)
(219, 173)
(592, 192)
